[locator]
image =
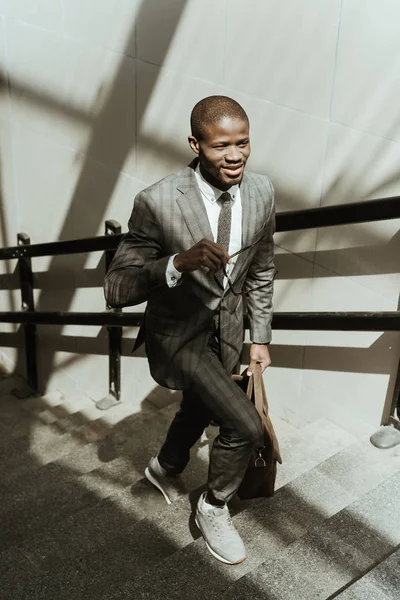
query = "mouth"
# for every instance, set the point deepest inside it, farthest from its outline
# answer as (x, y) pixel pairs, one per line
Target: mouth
(233, 172)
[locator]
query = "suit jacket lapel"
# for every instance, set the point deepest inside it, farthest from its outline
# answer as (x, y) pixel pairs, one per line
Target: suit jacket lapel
(249, 221)
(195, 215)
(192, 206)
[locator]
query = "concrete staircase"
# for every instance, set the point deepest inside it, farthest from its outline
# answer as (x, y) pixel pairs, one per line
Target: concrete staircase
(78, 520)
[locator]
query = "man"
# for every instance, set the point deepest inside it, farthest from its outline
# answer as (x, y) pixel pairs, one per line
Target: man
(199, 242)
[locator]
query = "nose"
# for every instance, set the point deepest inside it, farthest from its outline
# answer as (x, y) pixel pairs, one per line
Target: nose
(233, 154)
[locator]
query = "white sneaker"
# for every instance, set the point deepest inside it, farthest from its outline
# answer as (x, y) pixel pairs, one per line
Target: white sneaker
(220, 535)
(169, 485)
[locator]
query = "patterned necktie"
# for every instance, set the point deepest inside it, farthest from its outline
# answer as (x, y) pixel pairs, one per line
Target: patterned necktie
(224, 227)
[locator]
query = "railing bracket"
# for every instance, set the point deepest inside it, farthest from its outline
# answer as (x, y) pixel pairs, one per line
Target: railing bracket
(107, 402)
(386, 437)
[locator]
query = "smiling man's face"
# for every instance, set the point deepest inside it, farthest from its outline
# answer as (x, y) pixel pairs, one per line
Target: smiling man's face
(223, 151)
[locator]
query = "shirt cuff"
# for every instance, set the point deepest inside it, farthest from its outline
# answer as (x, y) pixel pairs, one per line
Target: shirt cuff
(171, 274)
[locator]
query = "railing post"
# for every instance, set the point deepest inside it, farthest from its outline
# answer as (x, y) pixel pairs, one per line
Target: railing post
(114, 337)
(394, 415)
(28, 303)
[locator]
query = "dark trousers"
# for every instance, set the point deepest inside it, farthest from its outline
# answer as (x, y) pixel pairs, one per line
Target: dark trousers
(213, 395)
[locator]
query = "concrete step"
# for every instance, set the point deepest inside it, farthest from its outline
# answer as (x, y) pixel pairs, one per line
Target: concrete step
(301, 451)
(93, 472)
(32, 436)
(331, 555)
(289, 524)
(309, 446)
(96, 460)
(50, 427)
(129, 515)
(381, 583)
(37, 497)
(28, 439)
(75, 414)
(88, 518)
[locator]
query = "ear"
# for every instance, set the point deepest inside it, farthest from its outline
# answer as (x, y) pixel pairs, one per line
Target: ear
(194, 144)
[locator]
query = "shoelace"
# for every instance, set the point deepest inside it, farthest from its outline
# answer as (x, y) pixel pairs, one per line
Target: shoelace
(216, 521)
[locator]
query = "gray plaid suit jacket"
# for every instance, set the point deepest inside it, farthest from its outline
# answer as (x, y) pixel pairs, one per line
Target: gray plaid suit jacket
(170, 217)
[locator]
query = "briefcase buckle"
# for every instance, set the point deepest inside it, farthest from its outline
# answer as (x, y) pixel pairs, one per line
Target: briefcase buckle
(260, 463)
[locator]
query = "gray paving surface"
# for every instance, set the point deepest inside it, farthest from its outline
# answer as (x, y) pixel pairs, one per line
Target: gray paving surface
(294, 552)
(382, 583)
(332, 554)
(79, 521)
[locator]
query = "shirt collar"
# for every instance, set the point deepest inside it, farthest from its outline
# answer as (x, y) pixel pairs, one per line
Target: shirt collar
(210, 192)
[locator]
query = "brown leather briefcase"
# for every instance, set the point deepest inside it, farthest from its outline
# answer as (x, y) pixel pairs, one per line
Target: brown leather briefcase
(259, 479)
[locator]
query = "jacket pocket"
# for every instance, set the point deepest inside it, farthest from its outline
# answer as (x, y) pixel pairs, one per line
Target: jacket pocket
(164, 325)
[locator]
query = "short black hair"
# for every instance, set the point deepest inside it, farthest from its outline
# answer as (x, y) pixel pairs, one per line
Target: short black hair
(211, 110)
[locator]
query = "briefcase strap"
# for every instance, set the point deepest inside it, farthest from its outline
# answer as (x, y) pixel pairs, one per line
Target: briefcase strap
(261, 404)
(260, 397)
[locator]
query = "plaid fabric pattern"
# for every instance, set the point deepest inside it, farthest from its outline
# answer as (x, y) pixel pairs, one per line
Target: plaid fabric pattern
(169, 217)
(213, 395)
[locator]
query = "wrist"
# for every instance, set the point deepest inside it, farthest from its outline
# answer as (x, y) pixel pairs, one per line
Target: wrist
(177, 263)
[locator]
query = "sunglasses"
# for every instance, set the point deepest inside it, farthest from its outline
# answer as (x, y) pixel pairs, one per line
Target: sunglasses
(230, 283)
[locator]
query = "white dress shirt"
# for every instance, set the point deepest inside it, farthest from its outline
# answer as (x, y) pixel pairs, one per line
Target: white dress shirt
(210, 196)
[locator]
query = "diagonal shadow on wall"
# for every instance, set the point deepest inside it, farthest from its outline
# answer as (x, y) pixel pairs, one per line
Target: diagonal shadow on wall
(10, 278)
(113, 152)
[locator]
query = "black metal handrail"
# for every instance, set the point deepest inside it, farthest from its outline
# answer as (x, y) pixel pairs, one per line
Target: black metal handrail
(327, 216)
(319, 321)
(343, 214)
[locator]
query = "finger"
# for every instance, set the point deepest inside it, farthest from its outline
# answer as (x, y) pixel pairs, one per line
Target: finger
(205, 257)
(218, 256)
(211, 262)
(215, 248)
(237, 377)
(251, 367)
(219, 251)
(213, 256)
(222, 253)
(264, 364)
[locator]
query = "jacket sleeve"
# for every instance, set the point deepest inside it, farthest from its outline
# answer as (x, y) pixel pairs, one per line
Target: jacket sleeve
(259, 284)
(139, 265)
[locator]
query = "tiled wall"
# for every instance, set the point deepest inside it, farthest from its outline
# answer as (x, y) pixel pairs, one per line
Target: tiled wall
(97, 107)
